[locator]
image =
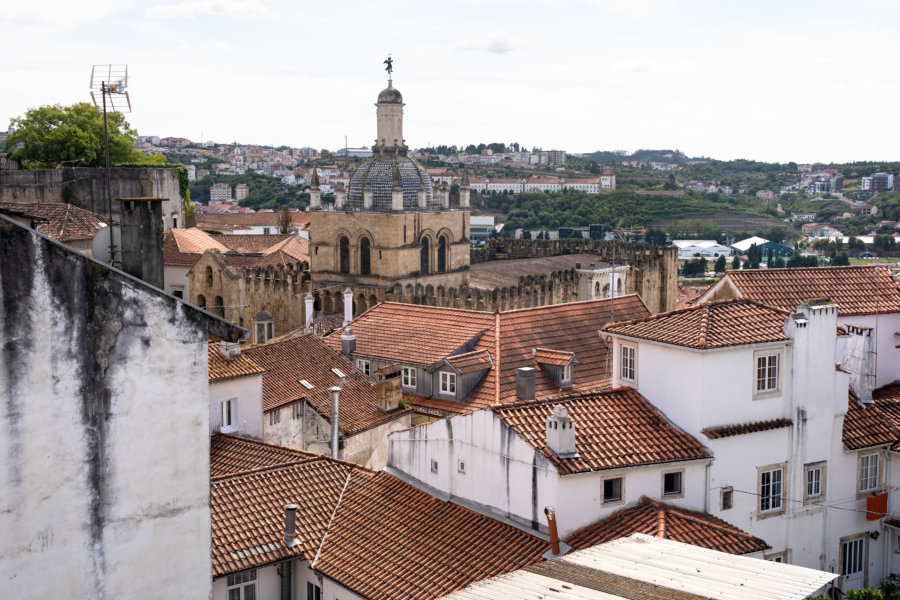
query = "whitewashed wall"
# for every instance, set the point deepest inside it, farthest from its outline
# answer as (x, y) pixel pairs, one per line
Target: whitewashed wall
(247, 410)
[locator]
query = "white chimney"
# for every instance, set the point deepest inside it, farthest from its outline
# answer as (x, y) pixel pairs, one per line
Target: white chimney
(230, 350)
(348, 342)
(309, 311)
(561, 433)
(348, 306)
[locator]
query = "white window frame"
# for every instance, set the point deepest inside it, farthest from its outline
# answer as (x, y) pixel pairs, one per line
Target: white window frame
(621, 498)
(567, 372)
(680, 492)
(227, 416)
(868, 481)
(628, 363)
(240, 582)
(771, 382)
(814, 481)
(461, 466)
(434, 466)
(727, 493)
(409, 377)
(770, 483)
(364, 365)
(313, 591)
(448, 382)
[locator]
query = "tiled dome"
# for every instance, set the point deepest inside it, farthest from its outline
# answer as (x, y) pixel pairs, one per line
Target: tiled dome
(376, 173)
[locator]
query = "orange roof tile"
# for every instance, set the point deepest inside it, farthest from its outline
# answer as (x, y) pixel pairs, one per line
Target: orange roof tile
(423, 335)
(724, 431)
(230, 454)
(856, 290)
(868, 425)
(612, 430)
(471, 362)
(712, 325)
(63, 222)
(250, 243)
(216, 220)
(305, 357)
(196, 241)
(559, 358)
(670, 522)
(221, 368)
(386, 539)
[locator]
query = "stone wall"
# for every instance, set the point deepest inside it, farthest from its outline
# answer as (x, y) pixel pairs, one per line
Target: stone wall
(86, 188)
(104, 477)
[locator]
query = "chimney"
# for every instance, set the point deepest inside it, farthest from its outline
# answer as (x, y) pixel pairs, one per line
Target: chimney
(335, 421)
(388, 387)
(230, 349)
(422, 196)
(557, 548)
(310, 307)
(445, 195)
(142, 234)
(859, 360)
(525, 384)
(348, 306)
(561, 433)
(348, 342)
(290, 526)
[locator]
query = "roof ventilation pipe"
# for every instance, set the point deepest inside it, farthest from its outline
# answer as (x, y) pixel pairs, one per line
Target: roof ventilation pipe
(335, 421)
(290, 526)
(557, 548)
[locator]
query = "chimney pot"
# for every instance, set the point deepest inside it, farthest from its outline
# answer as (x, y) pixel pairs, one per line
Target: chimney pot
(525, 383)
(335, 421)
(348, 342)
(290, 525)
(557, 548)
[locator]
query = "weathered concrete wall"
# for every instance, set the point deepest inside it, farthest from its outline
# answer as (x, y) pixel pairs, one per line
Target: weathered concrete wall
(86, 188)
(104, 446)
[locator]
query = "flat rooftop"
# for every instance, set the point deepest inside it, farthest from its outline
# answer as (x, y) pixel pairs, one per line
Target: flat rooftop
(502, 273)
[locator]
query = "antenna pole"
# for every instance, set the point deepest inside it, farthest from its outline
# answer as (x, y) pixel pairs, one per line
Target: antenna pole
(112, 246)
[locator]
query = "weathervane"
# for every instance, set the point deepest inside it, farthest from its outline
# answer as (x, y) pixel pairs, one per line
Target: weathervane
(390, 65)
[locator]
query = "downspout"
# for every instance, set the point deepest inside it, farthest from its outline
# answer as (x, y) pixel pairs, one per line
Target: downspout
(284, 570)
(706, 495)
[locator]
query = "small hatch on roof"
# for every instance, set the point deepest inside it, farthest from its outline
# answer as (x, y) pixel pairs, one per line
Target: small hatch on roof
(306, 384)
(338, 372)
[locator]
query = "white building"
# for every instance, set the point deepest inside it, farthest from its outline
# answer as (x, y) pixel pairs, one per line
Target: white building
(688, 249)
(589, 185)
(607, 181)
(235, 392)
(104, 489)
(542, 184)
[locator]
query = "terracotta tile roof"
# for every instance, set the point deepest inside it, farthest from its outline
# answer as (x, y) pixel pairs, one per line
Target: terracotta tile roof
(559, 358)
(63, 222)
(306, 357)
(230, 454)
(856, 290)
(471, 362)
(196, 241)
(412, 334)
(612, 430)
(173, 256)
(712, 325)
(715, 433)
(186, 246)
(387, 539)
(221, 368)
(217, 221)
(868, 425)
(423, 335)
(658, 519)
(250, 243)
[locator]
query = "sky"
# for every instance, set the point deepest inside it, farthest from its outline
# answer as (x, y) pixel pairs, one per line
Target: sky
(774, 81)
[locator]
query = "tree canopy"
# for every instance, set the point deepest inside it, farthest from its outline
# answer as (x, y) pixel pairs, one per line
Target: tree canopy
(72, 136)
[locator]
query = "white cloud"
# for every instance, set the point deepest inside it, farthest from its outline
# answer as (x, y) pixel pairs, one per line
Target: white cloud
(204, 49)
(635, 65)
(194, 9)
(498, 43)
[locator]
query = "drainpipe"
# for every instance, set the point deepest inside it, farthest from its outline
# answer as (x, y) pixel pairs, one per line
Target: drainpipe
(706, 495)
(335, 420)
(291, 541)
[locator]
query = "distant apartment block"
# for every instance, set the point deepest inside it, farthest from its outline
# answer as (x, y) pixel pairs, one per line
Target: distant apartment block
(219, 192)
(241, 191)
(878, 182)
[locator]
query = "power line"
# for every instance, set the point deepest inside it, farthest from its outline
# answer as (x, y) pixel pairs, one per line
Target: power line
(806, 502)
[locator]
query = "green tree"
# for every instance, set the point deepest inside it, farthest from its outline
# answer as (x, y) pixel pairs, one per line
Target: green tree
(736, 262)
(720, 264)
(70, 135)
(841, 260)
(285, 221)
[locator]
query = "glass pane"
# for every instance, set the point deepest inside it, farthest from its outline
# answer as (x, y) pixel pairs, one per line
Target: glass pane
(250, 592)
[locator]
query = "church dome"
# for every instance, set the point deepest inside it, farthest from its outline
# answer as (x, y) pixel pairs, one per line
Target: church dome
(390, 95)
(376, 174)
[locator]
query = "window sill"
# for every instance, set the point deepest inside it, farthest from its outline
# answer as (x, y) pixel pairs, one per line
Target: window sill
(760, 516)
(766, 395)
(229, 429)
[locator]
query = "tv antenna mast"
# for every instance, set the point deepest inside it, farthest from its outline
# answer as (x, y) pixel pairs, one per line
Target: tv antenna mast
(110, 82)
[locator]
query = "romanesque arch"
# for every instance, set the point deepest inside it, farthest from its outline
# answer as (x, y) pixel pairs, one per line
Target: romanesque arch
(344, 254)
(424, 256)
(365, 256)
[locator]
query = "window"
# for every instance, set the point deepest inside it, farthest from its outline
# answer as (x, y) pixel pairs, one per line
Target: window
(275, 417)
(672, 483)
(726, 500)
(409, 377)
(612, 490)
(770, 489)
(423, 257)
(297, 410)
(815, 481)
(344, 250)
(567, 372)
(260, 333)
(780, 557)
(266, 230)
(365, 257)
(434, 466)
(178, 294)
(448, 382)
(209, 277)
(363, 365)
(868, 472)
(242, 586)
(228, 415)
(767, 373)
(628, 355)
(442, 255)
(313, 592)
(461, 466)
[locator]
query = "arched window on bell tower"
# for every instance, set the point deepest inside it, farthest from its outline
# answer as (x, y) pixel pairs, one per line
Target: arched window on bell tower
(423, 260)
(365, 257)
(442, 254)
(344, 245)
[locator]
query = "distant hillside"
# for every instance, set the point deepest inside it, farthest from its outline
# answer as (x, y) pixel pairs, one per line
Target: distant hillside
(670, 156)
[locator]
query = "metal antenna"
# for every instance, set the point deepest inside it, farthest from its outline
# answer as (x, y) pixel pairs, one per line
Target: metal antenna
(110, 81)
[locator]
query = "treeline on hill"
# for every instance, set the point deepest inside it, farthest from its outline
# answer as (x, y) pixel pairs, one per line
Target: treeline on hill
(495, 147)
(620, 208)
(612, 156)
(264, 192)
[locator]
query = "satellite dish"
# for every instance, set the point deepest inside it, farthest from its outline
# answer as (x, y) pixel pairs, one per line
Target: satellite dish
(101, 242)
